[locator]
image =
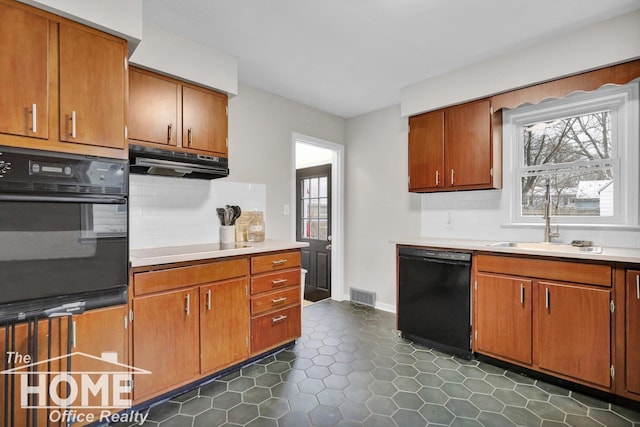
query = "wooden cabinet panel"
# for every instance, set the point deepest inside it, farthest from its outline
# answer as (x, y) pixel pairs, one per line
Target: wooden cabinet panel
(276, 261)
(426, 151)
(48, 335)
(224, 324)
(180, 277)
(504, 317)
(24, 67)
(204, 120)
(275, 300)
(468, 144)
(92, 87)
(273, 281)
(574, 332)
(566, 271)
(165, 340)
(274, 329)
(632, 339)
(99, 345)
(153, 108)
(455, 149)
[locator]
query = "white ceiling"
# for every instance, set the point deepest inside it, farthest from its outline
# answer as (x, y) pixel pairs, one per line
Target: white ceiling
(350, 57)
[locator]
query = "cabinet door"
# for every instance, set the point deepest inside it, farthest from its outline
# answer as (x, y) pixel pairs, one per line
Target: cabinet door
(468, 144)
(632, 339)
(153, 108)
(21, 342)
(98, 346)
(426, 155)
(165, 340)
(24, 68)
(204, 120)
(503, 320)
(224, 324)
(92, 88)
(574, 332)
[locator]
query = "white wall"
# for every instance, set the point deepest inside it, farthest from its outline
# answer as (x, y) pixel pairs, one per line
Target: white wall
(260, 148)
(189, 60)
(167, 211)
(595, 46)
(378, 207)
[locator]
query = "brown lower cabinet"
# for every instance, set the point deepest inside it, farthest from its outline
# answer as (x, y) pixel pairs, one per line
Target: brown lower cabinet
(545, 321)
(192, 320)
(89, 345)
(632, 338)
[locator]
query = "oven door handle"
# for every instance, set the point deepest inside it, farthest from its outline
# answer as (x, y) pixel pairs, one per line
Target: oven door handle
(105, 200)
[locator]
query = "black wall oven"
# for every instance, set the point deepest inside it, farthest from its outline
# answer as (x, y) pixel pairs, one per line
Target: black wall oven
(63, 233)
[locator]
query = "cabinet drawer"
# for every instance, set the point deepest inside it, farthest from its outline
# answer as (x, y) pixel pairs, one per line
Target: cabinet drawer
(565, 271)
(273, 329)
(273, 262)
(278, 280)
(275, 300)
(173, 278)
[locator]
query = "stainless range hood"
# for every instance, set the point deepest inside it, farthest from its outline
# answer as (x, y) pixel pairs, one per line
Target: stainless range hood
(166, 162)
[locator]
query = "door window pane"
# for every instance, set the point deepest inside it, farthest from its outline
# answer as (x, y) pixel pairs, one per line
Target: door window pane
(315, 212)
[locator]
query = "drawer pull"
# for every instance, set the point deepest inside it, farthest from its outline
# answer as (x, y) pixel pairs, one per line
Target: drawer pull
(278, 262)
(278, 319)
(638, 286)
(279, 300)
(279, 282)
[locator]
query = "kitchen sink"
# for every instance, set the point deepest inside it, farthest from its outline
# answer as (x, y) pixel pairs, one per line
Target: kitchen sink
(544, 246)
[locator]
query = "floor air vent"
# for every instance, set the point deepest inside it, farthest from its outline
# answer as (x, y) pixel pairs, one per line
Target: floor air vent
(363, 297)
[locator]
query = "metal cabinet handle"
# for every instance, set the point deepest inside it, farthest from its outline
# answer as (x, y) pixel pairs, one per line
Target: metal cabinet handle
(170, 133)
(437, 178)
(521, 293)
(546, 298)
(278, 262)
(189, 137)
(279, 282)
(73, 334)
(188, 304)
(638, 286)
(278, 319)
(453, 176)
(73, 124)
(209, 299)
(278, 300)
(34, 118)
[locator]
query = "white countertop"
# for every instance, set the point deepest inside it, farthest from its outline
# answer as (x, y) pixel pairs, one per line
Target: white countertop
(170, 254)
(630, 255)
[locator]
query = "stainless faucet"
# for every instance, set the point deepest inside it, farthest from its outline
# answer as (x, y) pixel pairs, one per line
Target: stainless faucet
(547, 215)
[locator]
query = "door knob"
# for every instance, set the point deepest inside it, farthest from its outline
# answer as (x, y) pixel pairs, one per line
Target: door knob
(328, 247)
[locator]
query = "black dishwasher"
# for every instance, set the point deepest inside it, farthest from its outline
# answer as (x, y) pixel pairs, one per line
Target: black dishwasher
(434, 299)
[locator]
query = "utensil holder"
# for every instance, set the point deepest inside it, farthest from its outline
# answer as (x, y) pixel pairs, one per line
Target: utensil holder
(227, 234)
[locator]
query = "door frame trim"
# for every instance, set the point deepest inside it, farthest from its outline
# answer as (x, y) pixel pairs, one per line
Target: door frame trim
(337, 207)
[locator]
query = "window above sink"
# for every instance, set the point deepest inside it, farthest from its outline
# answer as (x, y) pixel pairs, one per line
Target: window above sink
(587, 144)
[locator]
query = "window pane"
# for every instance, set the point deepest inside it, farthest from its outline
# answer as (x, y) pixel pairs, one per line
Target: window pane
(323, 233)
(306, 190)
(313, 234)
(572, 139)
(314, 187)
(583, 192)
(322, 211)
(323, 186)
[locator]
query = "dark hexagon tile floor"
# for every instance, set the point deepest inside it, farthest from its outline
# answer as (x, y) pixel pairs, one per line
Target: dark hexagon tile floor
(350, 368)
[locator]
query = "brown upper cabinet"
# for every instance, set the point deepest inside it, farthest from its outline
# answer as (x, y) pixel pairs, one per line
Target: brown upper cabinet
(63, 84)
(454, 149)
(166, 111)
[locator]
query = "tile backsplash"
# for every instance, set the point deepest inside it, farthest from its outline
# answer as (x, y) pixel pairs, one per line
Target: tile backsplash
(167, 211)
